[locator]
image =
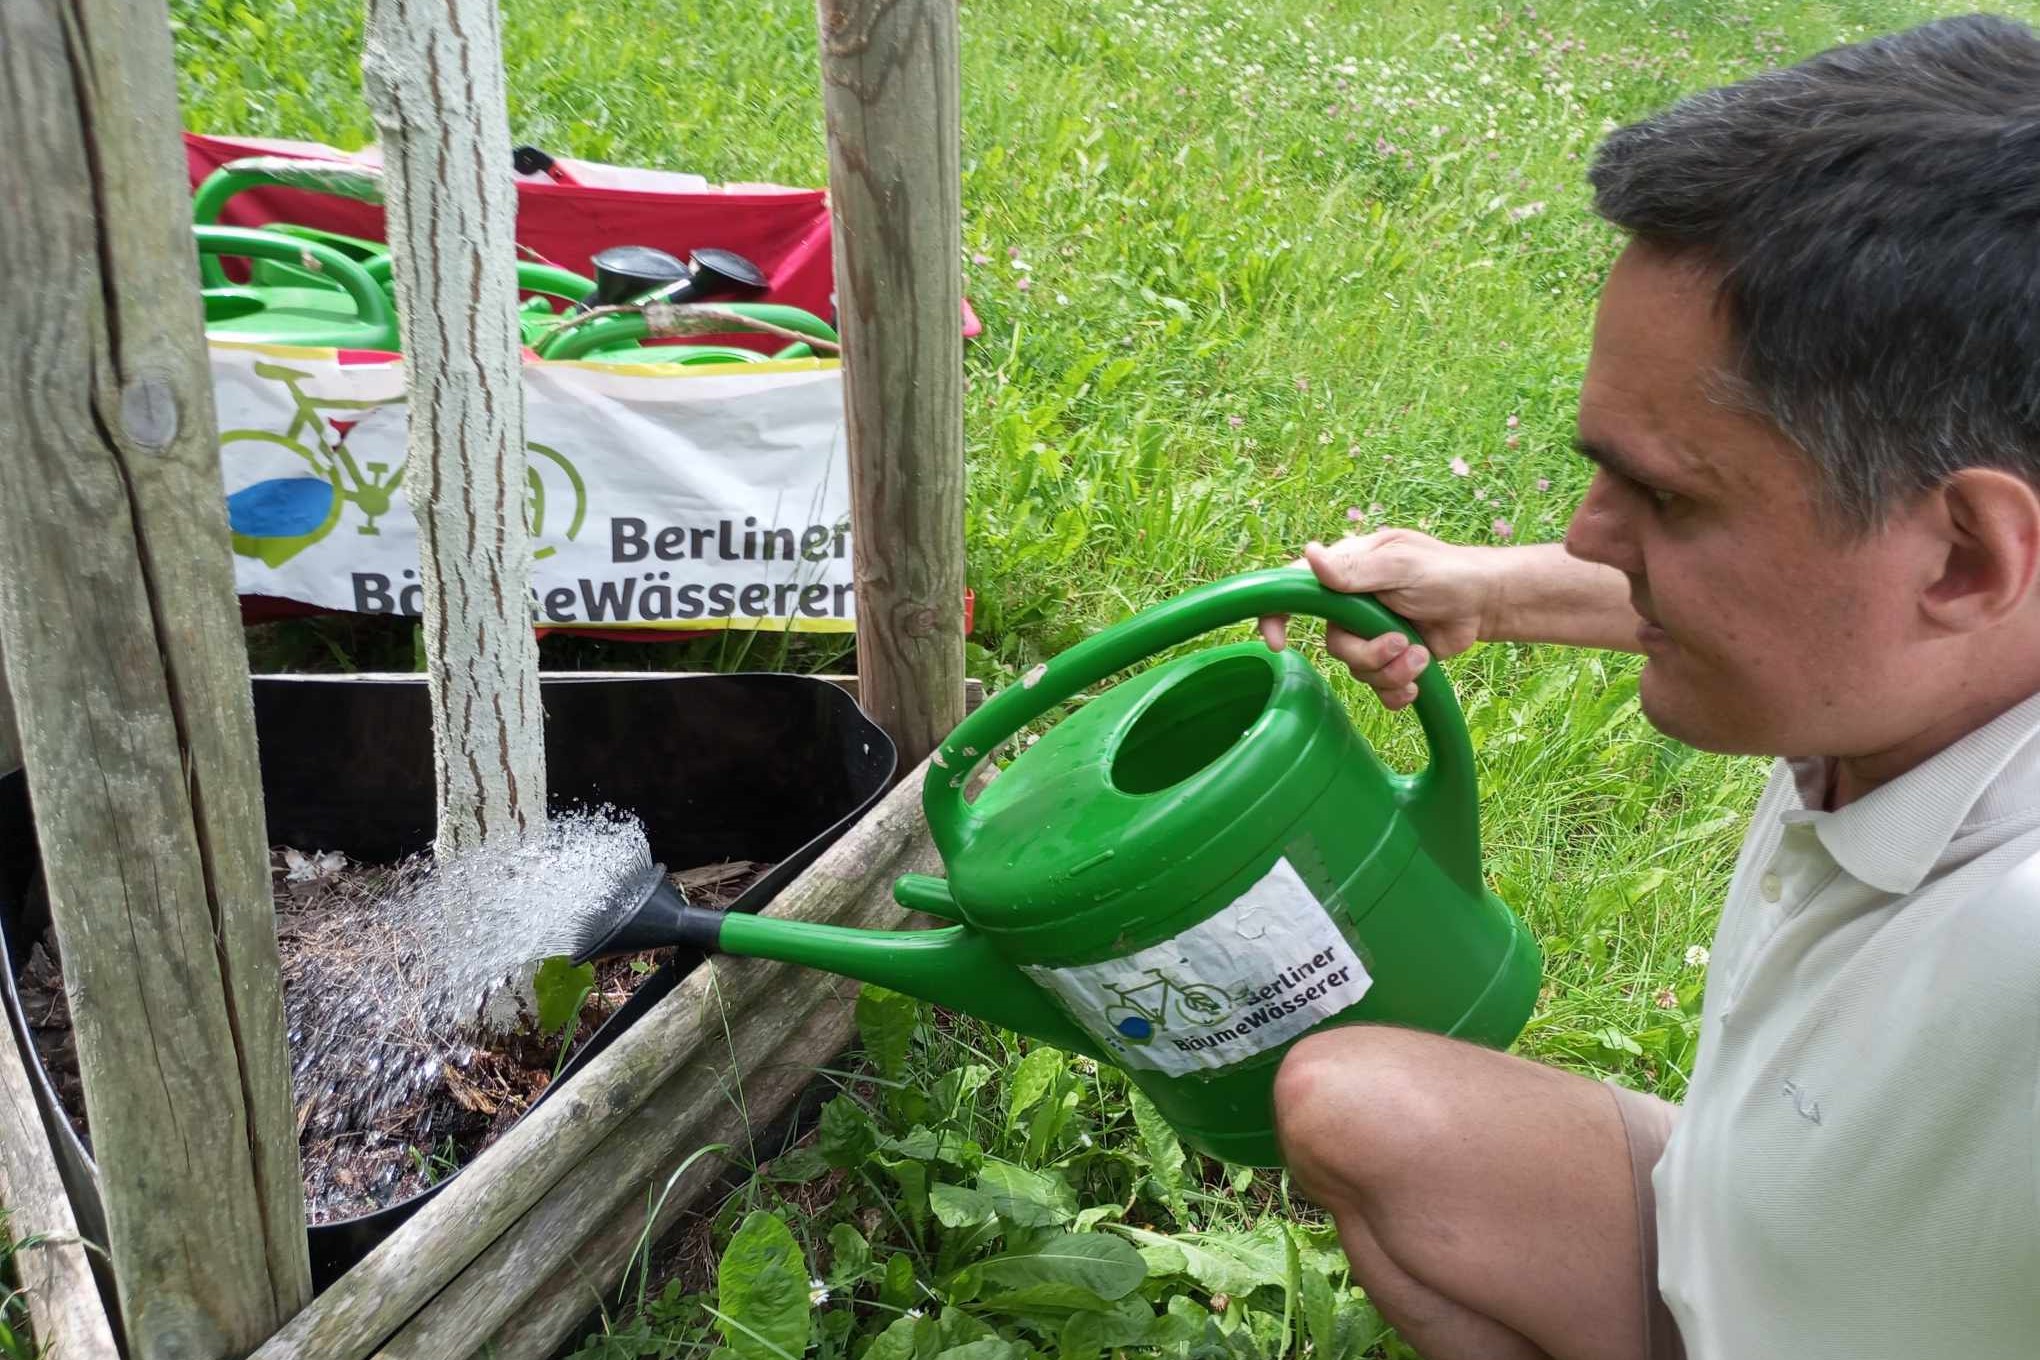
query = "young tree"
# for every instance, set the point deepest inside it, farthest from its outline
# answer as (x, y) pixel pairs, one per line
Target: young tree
(433, 73)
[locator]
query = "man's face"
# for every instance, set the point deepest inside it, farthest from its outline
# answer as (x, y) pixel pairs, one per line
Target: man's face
(1767, 632)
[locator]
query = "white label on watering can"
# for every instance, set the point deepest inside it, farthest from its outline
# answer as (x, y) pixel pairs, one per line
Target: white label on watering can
(1248, 979)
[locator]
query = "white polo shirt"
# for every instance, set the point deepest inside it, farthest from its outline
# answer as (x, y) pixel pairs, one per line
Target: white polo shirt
(1856, 1171)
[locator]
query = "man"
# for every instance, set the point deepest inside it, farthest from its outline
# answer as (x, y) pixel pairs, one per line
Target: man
(1813, 406)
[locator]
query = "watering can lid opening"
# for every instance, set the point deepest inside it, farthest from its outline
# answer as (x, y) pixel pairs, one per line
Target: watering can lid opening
(1160, 789)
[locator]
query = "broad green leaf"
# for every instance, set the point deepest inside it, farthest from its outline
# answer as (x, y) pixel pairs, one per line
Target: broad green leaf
(846, 1137)
(990, 1348)
(798, 1167)
(960, 1084)
(1292, 1285)
(1185, 1321)
(896, 1342)
(1319, 1248)
(1360, 1326)
(1032, 1079)
(560, 987)
(1099, 1262)
(762, 1291)
(913, 1181)
(955, 1327)
(1223, 1263)
(959, 1206)
(1320, 1314)
(1090, 1218)
(1163, 1257)
(1128, 1322)
(1050, 1118)
(1165, 1154)
(897, 1289)
(849, 1256)
(1056, 1297)
(1028, 1199)
(936, 1145)
(962, 1285)
(885, 1024)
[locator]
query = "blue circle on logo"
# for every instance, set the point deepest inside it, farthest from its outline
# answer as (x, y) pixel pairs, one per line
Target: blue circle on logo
(283, 507)
(1136, 1027)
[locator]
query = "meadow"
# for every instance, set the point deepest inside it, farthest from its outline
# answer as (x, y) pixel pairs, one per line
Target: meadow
(1249, 275)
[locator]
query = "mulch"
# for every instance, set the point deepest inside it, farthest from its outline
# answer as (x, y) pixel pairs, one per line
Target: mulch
(448, 1120)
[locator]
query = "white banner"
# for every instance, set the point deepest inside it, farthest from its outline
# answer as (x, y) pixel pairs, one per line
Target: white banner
(658, 496)
(1252, 976)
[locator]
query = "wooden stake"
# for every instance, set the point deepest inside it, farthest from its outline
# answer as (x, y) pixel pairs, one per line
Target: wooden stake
(433, 74)
(372, 1301)
(123, 644)
(65, 1316)
(891, 91)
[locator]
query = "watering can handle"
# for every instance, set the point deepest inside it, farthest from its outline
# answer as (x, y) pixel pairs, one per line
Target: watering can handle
(1442, 796)
(371, 305)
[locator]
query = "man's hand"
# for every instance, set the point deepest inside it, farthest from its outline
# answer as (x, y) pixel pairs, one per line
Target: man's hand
(1447, 590)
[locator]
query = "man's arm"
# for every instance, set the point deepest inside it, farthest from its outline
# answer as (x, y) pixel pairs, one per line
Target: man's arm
(1456, 595)
(1542, 593)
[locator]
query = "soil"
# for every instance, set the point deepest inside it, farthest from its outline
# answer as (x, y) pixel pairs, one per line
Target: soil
(441, 1127)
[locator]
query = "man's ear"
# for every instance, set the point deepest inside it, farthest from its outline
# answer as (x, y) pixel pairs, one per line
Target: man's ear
(1988, 522)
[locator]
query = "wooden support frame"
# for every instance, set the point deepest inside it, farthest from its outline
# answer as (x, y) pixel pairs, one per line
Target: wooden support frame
(893, 97)
(65, 1316)
(129, 676)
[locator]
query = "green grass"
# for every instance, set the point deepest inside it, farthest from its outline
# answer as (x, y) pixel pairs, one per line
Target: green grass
(16, 1342)
(1249, 275)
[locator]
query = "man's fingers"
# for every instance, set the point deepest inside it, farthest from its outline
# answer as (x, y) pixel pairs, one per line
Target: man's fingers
(1275, 627)
(1390, 663)
(1366, 563)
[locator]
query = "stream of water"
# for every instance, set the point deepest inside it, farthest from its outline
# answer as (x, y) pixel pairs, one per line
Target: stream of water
(394, 987)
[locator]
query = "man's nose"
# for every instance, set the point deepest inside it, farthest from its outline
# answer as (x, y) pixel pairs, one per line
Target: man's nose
(1601, 529)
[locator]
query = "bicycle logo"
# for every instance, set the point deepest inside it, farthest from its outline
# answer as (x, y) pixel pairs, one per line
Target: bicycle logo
(1145, 1008)
(275, 519)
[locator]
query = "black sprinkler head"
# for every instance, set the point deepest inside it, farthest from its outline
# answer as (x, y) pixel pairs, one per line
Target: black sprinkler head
(625, 272)
(713, 273)
(650, 913)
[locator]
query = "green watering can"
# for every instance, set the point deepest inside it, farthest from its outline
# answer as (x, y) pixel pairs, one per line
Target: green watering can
(1195, 869)
(352, 312)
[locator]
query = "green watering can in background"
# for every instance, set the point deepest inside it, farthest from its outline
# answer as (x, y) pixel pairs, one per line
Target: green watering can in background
(1195, 869)
(620, 338)
(349, 311)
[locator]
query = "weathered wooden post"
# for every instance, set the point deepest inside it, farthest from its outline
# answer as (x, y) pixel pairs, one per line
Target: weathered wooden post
(892, 94)
(130, 683)
(433, 73)
(65, 1316)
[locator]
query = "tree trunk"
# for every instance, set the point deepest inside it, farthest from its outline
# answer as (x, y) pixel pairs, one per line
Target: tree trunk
(124, 653)
(891, 92)
(433, 73)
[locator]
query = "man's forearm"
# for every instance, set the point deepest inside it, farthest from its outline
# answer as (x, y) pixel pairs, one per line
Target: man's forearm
(1544, 594)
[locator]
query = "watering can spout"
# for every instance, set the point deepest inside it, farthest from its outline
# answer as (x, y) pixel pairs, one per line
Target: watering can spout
(953, 966)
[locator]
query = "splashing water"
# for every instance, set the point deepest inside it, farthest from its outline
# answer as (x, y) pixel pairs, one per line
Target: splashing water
(386, 993)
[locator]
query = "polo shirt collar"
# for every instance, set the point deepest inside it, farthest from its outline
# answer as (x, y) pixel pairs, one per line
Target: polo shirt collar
(1892, 836)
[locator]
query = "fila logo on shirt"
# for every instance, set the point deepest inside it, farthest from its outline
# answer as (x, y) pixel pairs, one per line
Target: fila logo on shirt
(1805, 1104)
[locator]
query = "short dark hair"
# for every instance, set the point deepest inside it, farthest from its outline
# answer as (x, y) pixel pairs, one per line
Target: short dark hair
(1874, 214)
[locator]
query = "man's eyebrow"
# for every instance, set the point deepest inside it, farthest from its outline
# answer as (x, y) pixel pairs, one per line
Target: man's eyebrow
(1613, 459)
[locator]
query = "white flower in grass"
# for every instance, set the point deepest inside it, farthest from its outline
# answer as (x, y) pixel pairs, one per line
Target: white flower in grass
(915, 1313)
(817, 1293)
(1696, 956)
